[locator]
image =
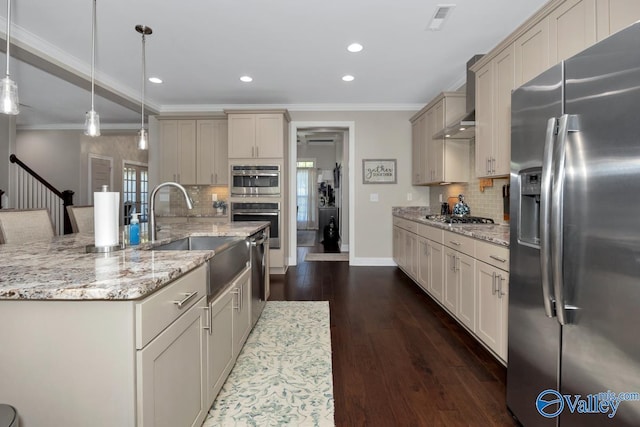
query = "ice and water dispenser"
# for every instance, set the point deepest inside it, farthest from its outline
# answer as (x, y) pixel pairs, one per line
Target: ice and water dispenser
(529, 212)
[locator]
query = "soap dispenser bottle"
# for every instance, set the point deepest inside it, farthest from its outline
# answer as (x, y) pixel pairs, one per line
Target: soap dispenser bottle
(134, 230)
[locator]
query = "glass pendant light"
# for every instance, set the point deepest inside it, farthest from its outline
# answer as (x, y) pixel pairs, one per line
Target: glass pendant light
(8, 88)
(143, 141)
(92, 119)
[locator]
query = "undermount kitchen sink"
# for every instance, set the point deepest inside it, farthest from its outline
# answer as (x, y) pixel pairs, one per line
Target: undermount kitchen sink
(199, 243)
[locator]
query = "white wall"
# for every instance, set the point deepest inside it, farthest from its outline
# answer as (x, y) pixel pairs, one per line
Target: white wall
(378, 135)
(7, 141)
(61, 157)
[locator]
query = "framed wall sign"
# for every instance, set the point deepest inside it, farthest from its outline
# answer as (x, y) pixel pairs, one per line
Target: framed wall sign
(379, 171)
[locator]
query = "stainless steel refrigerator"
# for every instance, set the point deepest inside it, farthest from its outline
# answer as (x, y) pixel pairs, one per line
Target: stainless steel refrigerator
(574, 304)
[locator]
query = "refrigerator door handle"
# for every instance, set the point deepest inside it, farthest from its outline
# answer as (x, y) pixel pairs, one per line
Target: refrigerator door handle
(545, 213)
(567, 123)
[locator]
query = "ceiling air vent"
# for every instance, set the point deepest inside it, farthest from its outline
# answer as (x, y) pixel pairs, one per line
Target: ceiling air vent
(440, 16)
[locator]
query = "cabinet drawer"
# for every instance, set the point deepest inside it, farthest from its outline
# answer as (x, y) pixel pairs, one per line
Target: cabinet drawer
(431, 233)
(460, 243)
(406, 224)
(495, 255)
(155, 313)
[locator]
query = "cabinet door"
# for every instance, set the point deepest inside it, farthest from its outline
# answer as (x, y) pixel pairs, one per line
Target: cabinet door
(212, 158)
(242, 135)
(423, 263)
(436, 151)
(411, 251)
(430, 125)
(532, 52)
(572, 28)
(242, 311)
(503, 289)
(168, 150)
(416, 151)
(398, 245)
(171, 391)
(484, 119)
(614, 15)
(450, 298)
(219, 344)
(187, 151)
(436, 273)
(490, 311)
(466, 312)
(504, 83)
(269, 136)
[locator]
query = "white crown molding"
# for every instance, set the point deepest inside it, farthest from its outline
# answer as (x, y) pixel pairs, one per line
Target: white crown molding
(216, 108)
(77, 126)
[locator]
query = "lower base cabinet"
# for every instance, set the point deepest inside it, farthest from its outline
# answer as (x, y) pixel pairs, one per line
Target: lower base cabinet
(228, 329)
(468, 277)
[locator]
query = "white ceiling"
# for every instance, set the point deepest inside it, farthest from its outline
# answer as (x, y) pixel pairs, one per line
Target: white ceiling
(294, 49)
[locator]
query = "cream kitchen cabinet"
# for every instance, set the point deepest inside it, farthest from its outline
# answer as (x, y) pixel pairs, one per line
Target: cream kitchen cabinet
(194, 151)
(405, 241)
(257, 135)
(492, 277)
(228, 329)
(614, 15)
(212, 160)
(572, 28)
(458, 272)
(178, 151)
(429, 269)
(439, 159)
(531, 52)
(494, 83)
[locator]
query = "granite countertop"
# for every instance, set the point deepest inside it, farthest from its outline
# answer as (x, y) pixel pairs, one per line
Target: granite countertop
(494, 233)
(62, 270)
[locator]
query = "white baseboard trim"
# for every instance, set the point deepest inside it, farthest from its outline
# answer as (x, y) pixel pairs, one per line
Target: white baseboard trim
(344, 248)
(380, 262)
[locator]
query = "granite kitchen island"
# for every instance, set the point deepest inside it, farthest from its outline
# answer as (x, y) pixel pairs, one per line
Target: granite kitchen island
(126, 338)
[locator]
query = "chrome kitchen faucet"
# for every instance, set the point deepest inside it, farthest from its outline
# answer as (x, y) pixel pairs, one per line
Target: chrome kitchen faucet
(152, 216)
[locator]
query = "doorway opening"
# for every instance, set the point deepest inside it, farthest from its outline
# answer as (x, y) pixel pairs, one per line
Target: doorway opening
(320, 155)
(135, 191)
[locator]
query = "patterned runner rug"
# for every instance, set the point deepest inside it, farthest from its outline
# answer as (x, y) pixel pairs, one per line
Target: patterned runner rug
(283, 374)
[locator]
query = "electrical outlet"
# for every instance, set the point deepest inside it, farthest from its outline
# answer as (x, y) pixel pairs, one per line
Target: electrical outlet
(214, 197)
(440, 197)
(409, 196)
(373, 197)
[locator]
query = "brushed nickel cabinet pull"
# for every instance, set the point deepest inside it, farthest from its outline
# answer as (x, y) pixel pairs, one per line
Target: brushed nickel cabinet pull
(497, 258)
(186, 299)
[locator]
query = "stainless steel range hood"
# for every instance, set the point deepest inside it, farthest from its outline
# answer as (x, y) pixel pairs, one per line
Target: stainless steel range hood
(464, 127)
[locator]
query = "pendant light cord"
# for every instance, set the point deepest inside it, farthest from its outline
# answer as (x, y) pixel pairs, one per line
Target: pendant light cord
(8, 33)
(93, 54)
(144, 72)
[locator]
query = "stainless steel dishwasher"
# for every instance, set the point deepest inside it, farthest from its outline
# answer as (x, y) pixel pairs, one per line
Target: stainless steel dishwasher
(259, 243)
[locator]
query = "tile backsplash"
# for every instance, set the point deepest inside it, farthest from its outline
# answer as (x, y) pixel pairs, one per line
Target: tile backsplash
(171, 201)
(487, 203)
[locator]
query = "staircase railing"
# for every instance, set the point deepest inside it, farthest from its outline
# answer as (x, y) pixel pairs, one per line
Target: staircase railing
(34, 192)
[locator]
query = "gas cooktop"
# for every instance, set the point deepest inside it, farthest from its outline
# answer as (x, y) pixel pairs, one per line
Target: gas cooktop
(460, 219)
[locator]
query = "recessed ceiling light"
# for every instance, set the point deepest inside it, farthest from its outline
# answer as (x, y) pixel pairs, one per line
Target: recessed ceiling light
(246, 79)
(155, 80)
(461, 129)
(354, 47)
(348, 78)
(447, 136)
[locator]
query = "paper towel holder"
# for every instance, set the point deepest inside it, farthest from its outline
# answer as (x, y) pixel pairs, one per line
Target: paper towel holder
(106, 249)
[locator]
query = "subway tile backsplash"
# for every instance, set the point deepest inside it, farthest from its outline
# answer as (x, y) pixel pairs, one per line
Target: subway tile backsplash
(486, 204)
(171, 202)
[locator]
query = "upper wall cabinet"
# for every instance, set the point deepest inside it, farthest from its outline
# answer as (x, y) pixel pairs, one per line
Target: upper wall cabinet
(439, 159)
(614, 15)
(494, 83)
(194, 151)
(212, 158)
(572, 28)
(532, 52)
(257, 135)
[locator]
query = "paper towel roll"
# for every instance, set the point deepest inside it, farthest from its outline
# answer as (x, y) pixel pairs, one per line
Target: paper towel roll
(106, 218)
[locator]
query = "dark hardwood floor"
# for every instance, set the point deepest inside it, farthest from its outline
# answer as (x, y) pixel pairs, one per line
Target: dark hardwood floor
(398, 358)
